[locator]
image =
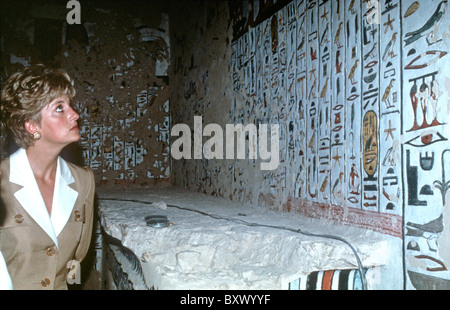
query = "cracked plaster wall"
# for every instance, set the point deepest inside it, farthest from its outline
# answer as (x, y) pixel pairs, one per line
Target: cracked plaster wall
(119, 58)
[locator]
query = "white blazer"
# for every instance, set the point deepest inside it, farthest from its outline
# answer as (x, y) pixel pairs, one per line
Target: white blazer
(64, 198)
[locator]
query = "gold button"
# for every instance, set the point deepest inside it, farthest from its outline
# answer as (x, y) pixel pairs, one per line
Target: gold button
(18, 218)
(45, 282)
(77, 215)
(50, 251)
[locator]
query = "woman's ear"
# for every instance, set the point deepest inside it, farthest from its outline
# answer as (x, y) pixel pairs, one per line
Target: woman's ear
(31, 127)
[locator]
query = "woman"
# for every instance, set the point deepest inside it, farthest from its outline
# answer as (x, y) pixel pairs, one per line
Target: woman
(48, 202)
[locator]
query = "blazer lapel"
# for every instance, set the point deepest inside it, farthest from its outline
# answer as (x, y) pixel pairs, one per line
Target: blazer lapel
(64, 197)
(29, 195)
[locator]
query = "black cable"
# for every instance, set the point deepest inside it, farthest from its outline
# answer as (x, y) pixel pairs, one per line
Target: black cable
(238, 221)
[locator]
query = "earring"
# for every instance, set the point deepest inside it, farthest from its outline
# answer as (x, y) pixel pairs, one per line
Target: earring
(36, 135)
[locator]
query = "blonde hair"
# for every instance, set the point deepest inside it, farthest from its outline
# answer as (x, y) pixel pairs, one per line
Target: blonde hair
(26, 93)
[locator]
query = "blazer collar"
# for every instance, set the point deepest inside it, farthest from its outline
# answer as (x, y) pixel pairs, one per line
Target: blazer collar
(29, 196)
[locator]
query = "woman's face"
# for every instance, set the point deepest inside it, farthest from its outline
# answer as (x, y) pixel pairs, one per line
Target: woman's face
(59, 122)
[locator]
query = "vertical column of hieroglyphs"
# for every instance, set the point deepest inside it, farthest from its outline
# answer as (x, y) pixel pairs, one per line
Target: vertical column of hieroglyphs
(108, 156)
(238, 77)
(258, 95)
(249, 52)
(160, 129)
(337, 80)
(312, 81)
(267, 59)
(129, 144)
(274, 70)
(95, 149)
(234, 74)
(279, 115)
(252, 60)
(242, 68)
(235, 60)
(252, 100)
(267, 55)
(370, 30)
(293, 163)
(259, 75)
(425, 128)
(243, 56)
(163, 163)
(142, 99)
(353, 117)
(263, 79)
(257, 78)
(85, 132)
(300, 101)
(390, 197)
(79, 107)
(108, 142)
(119, 146)
(324, 101)
(243, 115)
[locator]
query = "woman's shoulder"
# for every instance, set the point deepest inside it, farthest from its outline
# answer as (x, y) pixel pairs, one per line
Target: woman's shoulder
(4, 161)
(4, 166)
(81, 171)
(83, 177)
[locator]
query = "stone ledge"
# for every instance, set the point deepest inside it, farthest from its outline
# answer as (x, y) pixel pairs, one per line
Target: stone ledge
(202, 252)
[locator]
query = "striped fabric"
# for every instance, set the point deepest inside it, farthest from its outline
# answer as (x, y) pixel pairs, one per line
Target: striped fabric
(329, 280)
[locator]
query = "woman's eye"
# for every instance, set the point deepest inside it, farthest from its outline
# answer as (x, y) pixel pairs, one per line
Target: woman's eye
(59, 108)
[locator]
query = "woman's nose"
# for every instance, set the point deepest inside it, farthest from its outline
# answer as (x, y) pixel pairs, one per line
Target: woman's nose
(73, 115)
